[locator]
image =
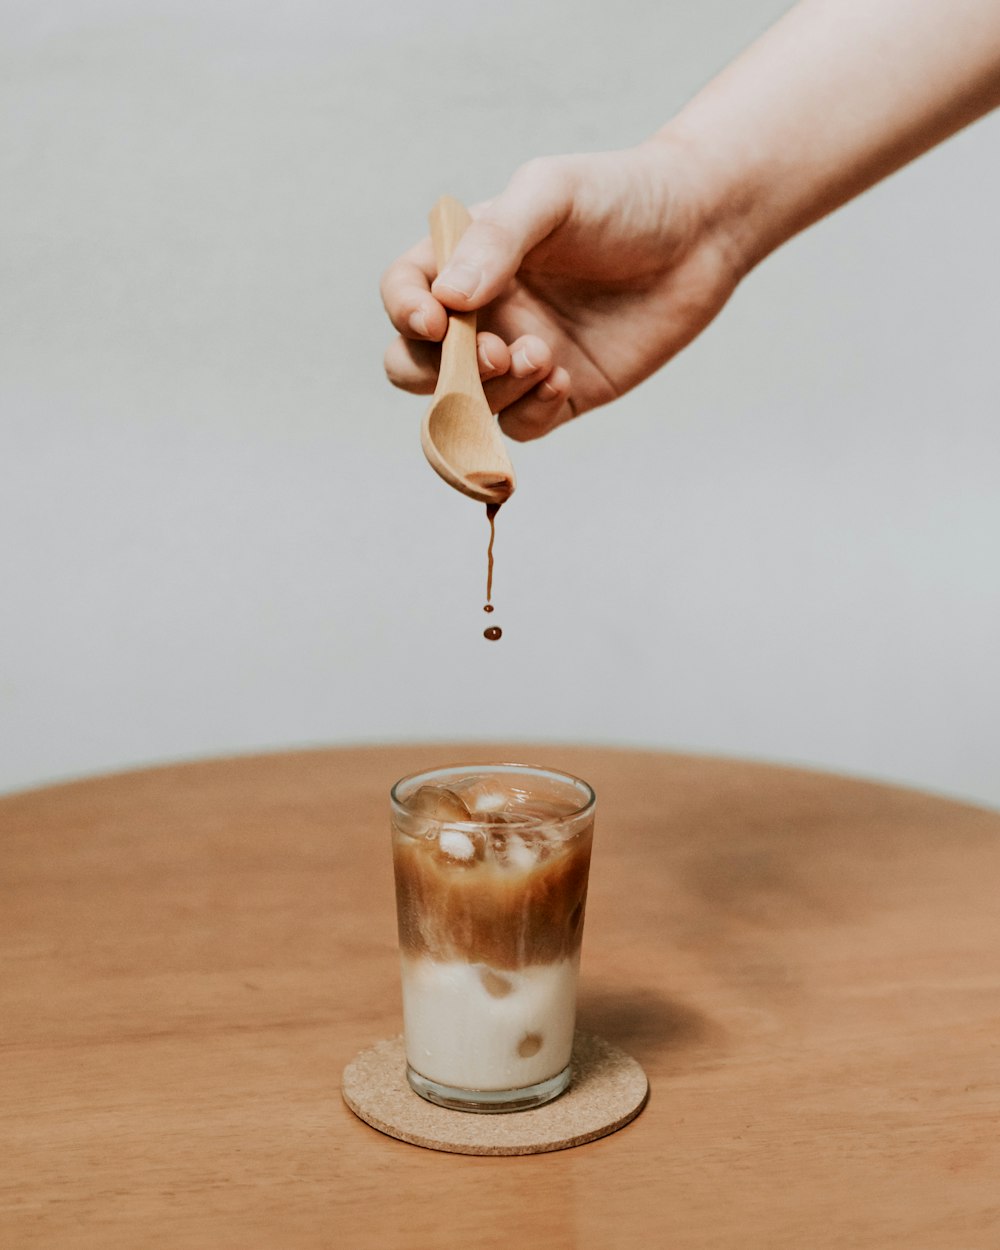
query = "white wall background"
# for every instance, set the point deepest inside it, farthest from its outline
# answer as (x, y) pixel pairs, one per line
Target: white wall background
(217, 532)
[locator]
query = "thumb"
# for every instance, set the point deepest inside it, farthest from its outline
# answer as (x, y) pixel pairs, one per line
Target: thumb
(536, 200)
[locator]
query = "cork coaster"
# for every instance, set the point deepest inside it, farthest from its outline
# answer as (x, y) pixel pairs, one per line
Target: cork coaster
(608, 1090)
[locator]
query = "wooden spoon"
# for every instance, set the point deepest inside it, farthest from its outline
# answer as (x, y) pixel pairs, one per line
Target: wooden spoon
(460, 435)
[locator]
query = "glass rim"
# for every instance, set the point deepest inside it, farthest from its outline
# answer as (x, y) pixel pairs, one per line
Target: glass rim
(559, 774)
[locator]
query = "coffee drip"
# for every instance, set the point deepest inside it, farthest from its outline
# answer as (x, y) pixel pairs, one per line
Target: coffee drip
(493, 632)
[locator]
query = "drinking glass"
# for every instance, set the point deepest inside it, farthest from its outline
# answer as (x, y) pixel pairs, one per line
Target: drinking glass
(491, 865)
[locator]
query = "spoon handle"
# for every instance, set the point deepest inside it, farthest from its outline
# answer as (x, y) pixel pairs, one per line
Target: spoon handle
(459, 365)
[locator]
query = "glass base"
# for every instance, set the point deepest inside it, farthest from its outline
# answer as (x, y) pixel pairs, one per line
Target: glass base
(490, 1101)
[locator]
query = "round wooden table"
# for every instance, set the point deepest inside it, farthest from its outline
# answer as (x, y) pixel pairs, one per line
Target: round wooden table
(807, 967)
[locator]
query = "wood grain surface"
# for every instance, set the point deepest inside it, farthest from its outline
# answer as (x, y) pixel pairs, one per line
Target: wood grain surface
(807, 967)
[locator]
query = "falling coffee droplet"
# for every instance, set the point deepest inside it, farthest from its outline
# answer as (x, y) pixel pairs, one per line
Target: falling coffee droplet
(494, 632)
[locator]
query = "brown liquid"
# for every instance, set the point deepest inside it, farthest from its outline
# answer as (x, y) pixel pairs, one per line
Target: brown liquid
(481, 910)
(491, 515)
(494, 633)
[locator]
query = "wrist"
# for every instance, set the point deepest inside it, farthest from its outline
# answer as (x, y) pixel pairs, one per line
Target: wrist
(730, 206)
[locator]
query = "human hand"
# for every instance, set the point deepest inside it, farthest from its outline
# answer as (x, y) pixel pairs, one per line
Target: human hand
(589, 273)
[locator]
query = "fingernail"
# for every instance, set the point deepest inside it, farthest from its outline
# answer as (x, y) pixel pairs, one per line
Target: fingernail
(464, 279)
(547, 391)
(523, 361)
(418, 322)
(484, 360)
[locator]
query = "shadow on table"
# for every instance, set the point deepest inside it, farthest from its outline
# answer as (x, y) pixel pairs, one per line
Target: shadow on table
(645, 1023)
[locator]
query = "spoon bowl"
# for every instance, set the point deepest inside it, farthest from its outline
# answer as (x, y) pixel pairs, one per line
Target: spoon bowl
(459, 435)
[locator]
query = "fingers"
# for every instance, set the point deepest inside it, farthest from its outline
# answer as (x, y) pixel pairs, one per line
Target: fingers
(407, 298)
(528, 394)
(522, 387)
(537, 199)
(540, 410)
(530, 364)
(413, 366)
(520, 382)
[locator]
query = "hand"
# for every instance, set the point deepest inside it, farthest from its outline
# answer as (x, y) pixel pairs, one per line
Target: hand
(590, 273)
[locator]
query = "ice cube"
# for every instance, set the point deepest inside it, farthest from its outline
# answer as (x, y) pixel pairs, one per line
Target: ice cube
(521, 853)
(483, 796)
(458, 844)
(438, 803)
(529, 1045)
(542, 846)
(494, 984)
(496, 843)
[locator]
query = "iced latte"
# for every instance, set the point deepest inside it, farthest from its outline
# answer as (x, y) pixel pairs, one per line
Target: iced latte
(491, 869)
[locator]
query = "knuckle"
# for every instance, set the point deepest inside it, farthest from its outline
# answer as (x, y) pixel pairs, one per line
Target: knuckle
(547, 179)
(394, 367)
(488, 236)
(539, 171)
(522, 430)
(387, 282)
